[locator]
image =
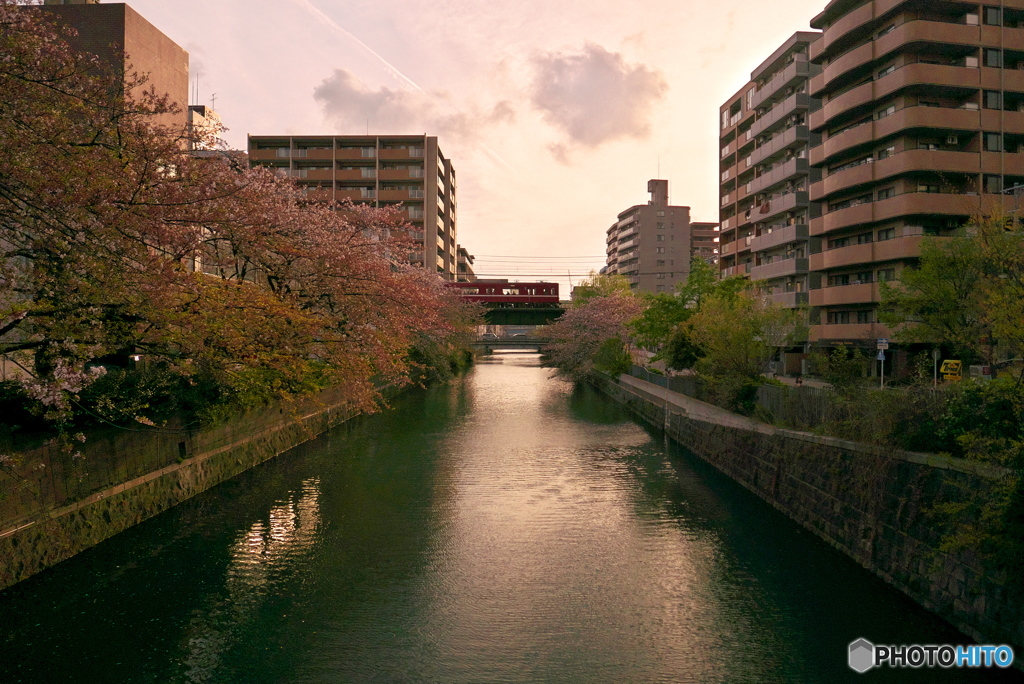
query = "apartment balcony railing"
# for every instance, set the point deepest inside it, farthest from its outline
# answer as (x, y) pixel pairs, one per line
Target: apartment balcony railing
(799, 70)
(779, 236)
(794, 168)
(779, 268)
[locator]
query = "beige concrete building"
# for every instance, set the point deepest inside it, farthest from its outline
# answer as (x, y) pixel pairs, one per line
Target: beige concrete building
(649, 244)
(406, 170)
(123, 39)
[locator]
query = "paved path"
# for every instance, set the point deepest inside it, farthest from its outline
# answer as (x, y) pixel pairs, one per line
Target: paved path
(695, 408)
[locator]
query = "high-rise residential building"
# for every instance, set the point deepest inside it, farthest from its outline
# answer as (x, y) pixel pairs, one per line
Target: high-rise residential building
(765, 175)
(921, 125)
(406, 170)
(464, 272)
(704, 241)
(649, 244)
(126, 42)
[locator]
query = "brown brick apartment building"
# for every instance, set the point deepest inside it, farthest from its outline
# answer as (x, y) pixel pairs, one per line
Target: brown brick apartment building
(913, 113)
(380, 170)
(921, 125)
(765, 174)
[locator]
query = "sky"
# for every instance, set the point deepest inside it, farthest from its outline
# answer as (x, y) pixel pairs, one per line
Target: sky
(554, 114)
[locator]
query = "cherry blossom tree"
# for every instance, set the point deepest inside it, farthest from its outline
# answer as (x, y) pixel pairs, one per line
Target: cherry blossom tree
(115, 240)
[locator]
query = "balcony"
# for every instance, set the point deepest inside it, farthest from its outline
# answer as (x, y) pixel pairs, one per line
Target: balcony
(837, 295)
(316, 153)
(908, 204)
(864, 95)
(896, 165)
(840, 28)
(779, 236)
(789, 138)
(778, 113)
(403, 153)
(400, 174)
(353, 153)
(778, 269)
(779, 205)
(318, 174)
(790, 300)
(740, 269)
(905, 247)
(849, 331)
(780, 174)
(799, 69)
(903, 119)
(905, 34)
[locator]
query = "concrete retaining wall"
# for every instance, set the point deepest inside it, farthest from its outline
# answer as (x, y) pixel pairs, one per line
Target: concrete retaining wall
(875, 505)
(56, 505)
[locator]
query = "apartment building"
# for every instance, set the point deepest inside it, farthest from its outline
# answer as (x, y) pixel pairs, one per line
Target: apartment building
(921, 125)
(765, 174)
(409, 171)
(125, 41)
(704, 243)
(649, 244)
(464, 269)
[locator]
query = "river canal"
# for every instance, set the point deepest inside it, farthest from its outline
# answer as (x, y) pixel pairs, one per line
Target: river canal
(506, 528)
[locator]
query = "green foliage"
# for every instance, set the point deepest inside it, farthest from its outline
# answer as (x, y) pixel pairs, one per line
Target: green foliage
(842, 368)
(613, 357)
(680, 352)
(941, 301)
(598, 286)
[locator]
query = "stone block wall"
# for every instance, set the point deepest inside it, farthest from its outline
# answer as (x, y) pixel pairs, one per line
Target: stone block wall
(878, 506)
(57, 505)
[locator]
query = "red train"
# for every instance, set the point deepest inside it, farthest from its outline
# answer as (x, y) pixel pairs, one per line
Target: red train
(501, 293)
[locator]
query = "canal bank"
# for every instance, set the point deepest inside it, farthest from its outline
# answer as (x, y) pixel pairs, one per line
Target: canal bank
(878, 506)
(63, 503)
(506, 528)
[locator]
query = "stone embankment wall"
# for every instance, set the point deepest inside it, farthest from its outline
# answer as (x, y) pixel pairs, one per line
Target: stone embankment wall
(55, 504)
(878, 506)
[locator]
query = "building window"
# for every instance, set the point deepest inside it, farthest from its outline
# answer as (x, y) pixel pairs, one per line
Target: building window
(864, 316)
(993, 16)
(661, 213)
(928, 187)
(661, 276)
(887, 152)
(886, 275)
(993, 184)
(659, 238)
(661, 288)
(886, 193)
(993, 99)
(882, 113)
(661, 225)
(887, 70)
(993, 58)
(660, 263)
(993, 142)
(864, 238)
(839, 280)
(886, 234)
(836, 243)
(839, 317)
(659, 250)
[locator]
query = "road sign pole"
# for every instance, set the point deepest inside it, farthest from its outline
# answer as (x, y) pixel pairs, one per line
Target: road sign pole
(881, 382)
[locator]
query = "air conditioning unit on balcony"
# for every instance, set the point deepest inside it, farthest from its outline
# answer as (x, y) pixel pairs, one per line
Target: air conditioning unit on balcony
(952, 140)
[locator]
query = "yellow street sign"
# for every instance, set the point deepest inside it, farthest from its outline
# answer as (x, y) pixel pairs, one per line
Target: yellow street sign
(951, 369)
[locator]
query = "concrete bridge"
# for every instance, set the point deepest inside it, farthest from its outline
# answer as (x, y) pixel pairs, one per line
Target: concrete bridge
(488, 344)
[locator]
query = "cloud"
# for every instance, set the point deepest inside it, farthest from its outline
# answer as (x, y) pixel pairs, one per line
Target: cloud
(594, 96)
(351, 105)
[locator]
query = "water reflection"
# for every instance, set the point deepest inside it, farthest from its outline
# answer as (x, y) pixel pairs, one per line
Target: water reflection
(261, 558)
(506, 528)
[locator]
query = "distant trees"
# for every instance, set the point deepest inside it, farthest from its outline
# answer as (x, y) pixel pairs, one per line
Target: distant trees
(114, 240)
(592, 334)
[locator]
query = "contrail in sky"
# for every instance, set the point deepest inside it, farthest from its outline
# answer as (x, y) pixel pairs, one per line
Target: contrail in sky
(406, 82)
(333, 25)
